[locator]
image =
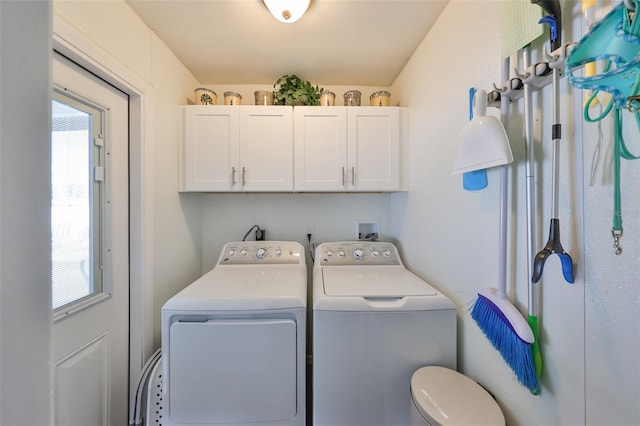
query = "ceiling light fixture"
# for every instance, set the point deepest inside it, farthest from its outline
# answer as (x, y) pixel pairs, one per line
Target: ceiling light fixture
(287, 11)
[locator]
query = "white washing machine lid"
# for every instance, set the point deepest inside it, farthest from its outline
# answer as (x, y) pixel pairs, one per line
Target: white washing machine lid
(371, 288)
(373, 282)
(244, 288)
(445, 397)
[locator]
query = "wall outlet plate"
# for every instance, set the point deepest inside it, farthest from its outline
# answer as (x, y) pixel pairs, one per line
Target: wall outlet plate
(367, 231)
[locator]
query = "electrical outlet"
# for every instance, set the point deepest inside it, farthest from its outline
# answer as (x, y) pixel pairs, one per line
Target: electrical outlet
(309, 229)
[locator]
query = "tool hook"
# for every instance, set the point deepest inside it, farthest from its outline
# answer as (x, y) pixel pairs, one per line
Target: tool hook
(553, 27)
(617, 234)
(554, 20)
(633, 104)
(526, 78)
(553, 246)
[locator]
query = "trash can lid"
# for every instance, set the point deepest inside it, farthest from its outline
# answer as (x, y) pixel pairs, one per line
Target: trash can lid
(445, 397)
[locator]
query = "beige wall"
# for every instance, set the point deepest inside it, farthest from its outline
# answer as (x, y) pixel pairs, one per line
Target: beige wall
(25, 224)
(449, 236)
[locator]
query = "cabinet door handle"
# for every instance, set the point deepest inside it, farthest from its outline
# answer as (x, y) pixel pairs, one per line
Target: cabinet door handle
(343, 176)
(233, 177)
(353, 176)
(244, 172)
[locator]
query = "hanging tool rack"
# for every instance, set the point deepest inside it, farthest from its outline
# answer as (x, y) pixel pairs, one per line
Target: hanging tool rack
(538, 75)
(533, 77)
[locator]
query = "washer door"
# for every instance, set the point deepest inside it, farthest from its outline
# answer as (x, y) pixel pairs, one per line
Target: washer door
(374, 282)
(232, 371)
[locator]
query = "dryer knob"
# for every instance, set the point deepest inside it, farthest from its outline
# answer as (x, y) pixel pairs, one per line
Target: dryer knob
(358, 254)
(278, 252)
(232, 253)
(375, 253)
(340, 253)
(329, 253)
(387, 253)
(261, 253)
(243, 252)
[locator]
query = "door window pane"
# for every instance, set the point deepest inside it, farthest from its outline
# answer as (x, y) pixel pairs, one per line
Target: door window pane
(75, 202)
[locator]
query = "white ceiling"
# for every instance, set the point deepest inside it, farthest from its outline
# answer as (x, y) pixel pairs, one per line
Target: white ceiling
(338, 42)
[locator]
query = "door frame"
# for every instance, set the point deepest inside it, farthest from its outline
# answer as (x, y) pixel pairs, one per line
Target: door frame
(74, 45)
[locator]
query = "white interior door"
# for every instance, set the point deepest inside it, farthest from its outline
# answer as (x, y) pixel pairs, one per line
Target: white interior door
(90, 248)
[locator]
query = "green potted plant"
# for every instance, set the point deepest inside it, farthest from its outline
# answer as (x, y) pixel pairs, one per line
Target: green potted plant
(292, 90)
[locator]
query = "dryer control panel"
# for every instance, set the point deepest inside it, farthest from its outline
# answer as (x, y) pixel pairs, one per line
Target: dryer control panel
(365, 253)
(261, 253)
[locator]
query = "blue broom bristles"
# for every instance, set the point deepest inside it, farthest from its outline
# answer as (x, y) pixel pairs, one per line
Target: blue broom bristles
(515, 351)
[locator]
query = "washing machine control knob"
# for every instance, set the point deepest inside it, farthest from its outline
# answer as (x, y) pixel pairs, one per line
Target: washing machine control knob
(375, 253)
(243, 252)
(387, 253)
(358, 254)
(340, 253)
(278, 252)
(329, 253)
(232, 252)
(261, 253)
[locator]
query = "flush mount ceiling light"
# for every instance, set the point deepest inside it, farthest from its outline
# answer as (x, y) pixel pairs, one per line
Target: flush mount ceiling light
(287, 11)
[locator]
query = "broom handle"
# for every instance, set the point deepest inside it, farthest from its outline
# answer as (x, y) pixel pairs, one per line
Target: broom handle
(502, 249)
(504, 196)
(530, 181)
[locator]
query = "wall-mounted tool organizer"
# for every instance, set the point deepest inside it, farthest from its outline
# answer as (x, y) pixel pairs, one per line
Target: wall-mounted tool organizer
(538, 75)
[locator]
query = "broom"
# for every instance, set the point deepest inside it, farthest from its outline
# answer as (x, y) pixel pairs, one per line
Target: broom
(499, 320)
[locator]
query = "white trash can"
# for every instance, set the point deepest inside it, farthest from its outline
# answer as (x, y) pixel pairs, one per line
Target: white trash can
(441, 396)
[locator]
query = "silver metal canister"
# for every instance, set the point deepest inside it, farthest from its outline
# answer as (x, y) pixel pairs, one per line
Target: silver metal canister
(327, 98)
(352, 98)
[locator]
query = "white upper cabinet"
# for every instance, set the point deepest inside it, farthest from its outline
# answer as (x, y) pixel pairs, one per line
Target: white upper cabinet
(320, 135)
(266, 148)
(236, 148)
(347, 149)
(261, 148)
(209, 149)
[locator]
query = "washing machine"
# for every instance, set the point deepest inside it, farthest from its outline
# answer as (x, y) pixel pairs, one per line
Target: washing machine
(233, 342)
(374, 324)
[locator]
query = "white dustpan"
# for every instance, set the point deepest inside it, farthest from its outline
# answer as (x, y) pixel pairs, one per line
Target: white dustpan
(483, 141)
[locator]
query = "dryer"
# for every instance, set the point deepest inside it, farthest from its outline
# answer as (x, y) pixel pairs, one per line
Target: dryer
(374, 324)
(233, 342)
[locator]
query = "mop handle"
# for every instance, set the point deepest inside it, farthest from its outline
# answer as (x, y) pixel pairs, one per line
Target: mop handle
(530, 178)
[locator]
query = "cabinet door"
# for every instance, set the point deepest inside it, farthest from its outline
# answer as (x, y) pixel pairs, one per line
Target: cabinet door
(320, 138)
(373, 148)
(209, 151)
(266, 148)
